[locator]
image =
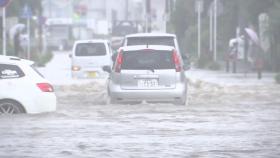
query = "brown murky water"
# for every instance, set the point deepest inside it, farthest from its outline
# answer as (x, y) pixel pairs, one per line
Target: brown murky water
(218, 122)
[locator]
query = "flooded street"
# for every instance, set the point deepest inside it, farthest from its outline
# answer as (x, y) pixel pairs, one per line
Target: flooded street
(218, 122)
(59, 59)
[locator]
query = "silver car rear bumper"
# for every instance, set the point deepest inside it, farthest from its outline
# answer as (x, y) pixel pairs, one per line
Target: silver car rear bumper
(160, 95)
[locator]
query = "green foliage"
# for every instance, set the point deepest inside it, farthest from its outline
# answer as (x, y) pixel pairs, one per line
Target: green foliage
(15, 7)
(274, 15)
(203, 61)
(206, 63)
(214, 66)
(41, 59)
(182, 17)
(277, 78)
(190, 42)
(9, 49)
(235, 13)
(45, 58)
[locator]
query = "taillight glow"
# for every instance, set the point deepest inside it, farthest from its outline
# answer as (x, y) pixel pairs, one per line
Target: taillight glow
(119, 62)
(45, 87)
(76, 68)
(176, 61)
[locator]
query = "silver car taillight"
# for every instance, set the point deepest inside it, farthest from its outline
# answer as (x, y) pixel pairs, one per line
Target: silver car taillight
(119, 61)
(176, 61)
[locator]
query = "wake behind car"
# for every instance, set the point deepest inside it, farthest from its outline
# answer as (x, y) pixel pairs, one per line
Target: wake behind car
(147, 73)
(88, 58)
(23, 89)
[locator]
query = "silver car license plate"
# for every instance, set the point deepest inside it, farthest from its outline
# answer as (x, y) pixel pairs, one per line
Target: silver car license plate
(148, 83)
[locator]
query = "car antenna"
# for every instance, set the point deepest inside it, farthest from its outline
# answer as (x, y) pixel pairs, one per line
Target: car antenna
(147, 45)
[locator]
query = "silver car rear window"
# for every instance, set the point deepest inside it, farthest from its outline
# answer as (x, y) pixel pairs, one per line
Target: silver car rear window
(90, 49)
(147, 59)
(166, 41)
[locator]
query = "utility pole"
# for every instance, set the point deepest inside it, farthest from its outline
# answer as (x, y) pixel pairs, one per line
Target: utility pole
(126, 9)
(166, 14)
(27, 14)
(50, 8)
(215, 29)
(199, 32)
(211, 29)
(199, 10)
(148, 16)
(3, 5)
(29, 38)
(4, 31)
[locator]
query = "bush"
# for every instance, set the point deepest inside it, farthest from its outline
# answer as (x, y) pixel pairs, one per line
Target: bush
(214, 66)
(9, 49)
(277, 78)
(41, 59)
(204, 61)
(201, 63)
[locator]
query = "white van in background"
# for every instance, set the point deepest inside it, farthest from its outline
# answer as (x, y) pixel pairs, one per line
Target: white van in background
(88, 58)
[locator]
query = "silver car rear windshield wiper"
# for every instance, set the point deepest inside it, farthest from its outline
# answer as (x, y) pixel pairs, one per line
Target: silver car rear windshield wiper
(149, 68)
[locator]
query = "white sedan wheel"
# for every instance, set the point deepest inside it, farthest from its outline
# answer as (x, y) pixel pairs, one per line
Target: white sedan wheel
(8, 107)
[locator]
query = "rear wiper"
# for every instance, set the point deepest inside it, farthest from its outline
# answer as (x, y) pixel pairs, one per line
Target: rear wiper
(149, 68)
(152, 69)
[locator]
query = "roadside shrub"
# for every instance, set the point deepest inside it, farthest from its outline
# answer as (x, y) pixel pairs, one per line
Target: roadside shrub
(44, 59)
(214, 66)
(9, 49)
(204, 61)
(201, 63)
(277, 78)
(41, 59)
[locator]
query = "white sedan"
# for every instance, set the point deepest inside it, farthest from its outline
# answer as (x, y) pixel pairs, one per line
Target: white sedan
(23, 89)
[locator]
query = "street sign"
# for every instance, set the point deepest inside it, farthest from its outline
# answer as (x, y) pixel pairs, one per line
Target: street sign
(26, 12)
(4, 3)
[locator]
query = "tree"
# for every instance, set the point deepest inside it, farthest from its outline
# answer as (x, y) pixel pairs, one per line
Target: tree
(15, 10)
(235, 13)
(182, 17)
(15, 7)
(274, 14)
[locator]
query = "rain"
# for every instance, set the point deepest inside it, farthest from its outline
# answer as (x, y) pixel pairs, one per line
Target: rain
(139, 78)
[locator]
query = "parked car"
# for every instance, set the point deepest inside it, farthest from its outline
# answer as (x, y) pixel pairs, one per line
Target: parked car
(88, 58)
(156, 39)
(147, 73)
(23, 89)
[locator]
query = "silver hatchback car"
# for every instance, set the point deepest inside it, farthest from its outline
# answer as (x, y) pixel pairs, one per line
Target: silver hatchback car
(147, 73)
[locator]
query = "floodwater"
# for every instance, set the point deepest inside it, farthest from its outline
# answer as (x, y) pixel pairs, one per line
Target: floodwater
(233, 121)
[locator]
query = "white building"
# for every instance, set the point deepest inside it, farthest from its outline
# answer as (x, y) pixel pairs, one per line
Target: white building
(100, 13)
